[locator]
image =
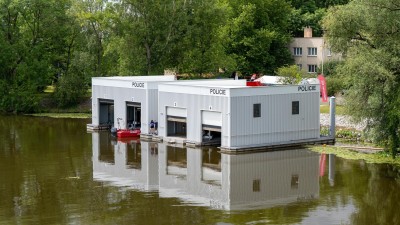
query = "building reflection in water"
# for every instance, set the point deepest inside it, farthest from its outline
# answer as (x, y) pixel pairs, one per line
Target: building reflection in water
(135, 164)
(207, 177)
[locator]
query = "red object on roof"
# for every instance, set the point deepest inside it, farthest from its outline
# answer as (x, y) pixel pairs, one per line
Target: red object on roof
(253, 83)
(128, 133)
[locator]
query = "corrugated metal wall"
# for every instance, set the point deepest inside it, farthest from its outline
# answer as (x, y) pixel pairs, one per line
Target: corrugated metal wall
(194, 104)
(276, 124)
(239, 128)
(151, 108)
(120, 97)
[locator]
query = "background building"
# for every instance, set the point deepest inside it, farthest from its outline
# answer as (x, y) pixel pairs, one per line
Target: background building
(310, 52)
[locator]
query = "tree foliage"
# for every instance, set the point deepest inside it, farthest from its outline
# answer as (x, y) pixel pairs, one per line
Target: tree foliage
(309, 13)
(367, 32)
(33, 41)
(255, 35)
(290, 74)
(66, 42)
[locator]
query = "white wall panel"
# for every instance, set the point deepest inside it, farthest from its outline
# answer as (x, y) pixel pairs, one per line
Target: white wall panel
(120, 97)
(194, 105)
(276, 124)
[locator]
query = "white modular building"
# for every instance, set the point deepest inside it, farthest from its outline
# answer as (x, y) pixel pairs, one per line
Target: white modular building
(239, 116)
(125, 102)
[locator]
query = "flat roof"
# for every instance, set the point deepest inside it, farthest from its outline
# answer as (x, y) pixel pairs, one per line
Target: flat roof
(133, 82)
(232, 88)
(150, 78)
(217, 83)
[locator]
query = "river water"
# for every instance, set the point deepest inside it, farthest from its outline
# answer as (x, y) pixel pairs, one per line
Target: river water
(53, 172)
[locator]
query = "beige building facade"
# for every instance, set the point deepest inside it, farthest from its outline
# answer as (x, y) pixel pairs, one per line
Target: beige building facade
(310, 53)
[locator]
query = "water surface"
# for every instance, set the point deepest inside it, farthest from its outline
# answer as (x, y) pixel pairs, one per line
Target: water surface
(53, 172)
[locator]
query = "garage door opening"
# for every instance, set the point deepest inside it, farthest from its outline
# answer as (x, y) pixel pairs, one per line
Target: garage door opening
(211, 135)
(211, 127)
(176, 122)
(133, 114)
(106, 112)
(176, 126)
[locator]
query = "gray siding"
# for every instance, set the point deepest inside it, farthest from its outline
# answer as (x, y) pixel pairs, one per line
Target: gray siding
(194, 104)
(120, 97)
(276, 124)
(152, 107)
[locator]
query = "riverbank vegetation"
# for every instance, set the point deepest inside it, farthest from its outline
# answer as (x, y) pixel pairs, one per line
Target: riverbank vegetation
(339, 109)
(373, 156)
(371, 69)
(64, 115)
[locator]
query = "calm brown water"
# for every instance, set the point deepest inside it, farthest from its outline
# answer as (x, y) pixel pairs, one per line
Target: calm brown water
(53, 172)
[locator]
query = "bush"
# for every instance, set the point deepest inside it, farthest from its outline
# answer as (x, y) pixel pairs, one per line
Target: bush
(70, 89)
(334, 85)
(290, 74)
(18, 98)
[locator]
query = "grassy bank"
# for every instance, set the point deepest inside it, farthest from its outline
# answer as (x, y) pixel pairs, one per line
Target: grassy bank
(49, 108)
(374, 157)
(339, 109)
(64, 115)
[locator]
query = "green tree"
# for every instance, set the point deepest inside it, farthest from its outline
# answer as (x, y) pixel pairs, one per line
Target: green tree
(147, 33)
(366, 31)
(32, 37)
(309, 13)
(290, 74)
(255, 36)
(203, 50)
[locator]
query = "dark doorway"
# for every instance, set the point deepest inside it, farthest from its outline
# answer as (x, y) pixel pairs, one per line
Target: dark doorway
(211, 135)
(176, 126)
(106, 112)
(133, 114)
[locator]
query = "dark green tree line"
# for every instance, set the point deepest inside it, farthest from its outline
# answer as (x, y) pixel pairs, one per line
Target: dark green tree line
(65, 43)
(33, 41)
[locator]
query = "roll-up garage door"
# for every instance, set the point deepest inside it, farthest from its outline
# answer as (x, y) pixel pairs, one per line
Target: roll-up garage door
(176, 114)
(106, 101)
(211, 120)
(133, 104)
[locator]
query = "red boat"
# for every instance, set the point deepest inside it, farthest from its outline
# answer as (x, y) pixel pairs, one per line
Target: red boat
(128, 133)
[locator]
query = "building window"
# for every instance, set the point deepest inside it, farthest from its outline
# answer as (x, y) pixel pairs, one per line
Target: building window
(297, 51)
(312, 68)
(312, 51)
(295, 107)
(300, 66)
(256, 110)
(256, 185)
(294, 184)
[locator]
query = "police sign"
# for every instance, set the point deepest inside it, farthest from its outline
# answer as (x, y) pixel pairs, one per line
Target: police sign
(138, 84)
(307, 88)
(214, 91)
